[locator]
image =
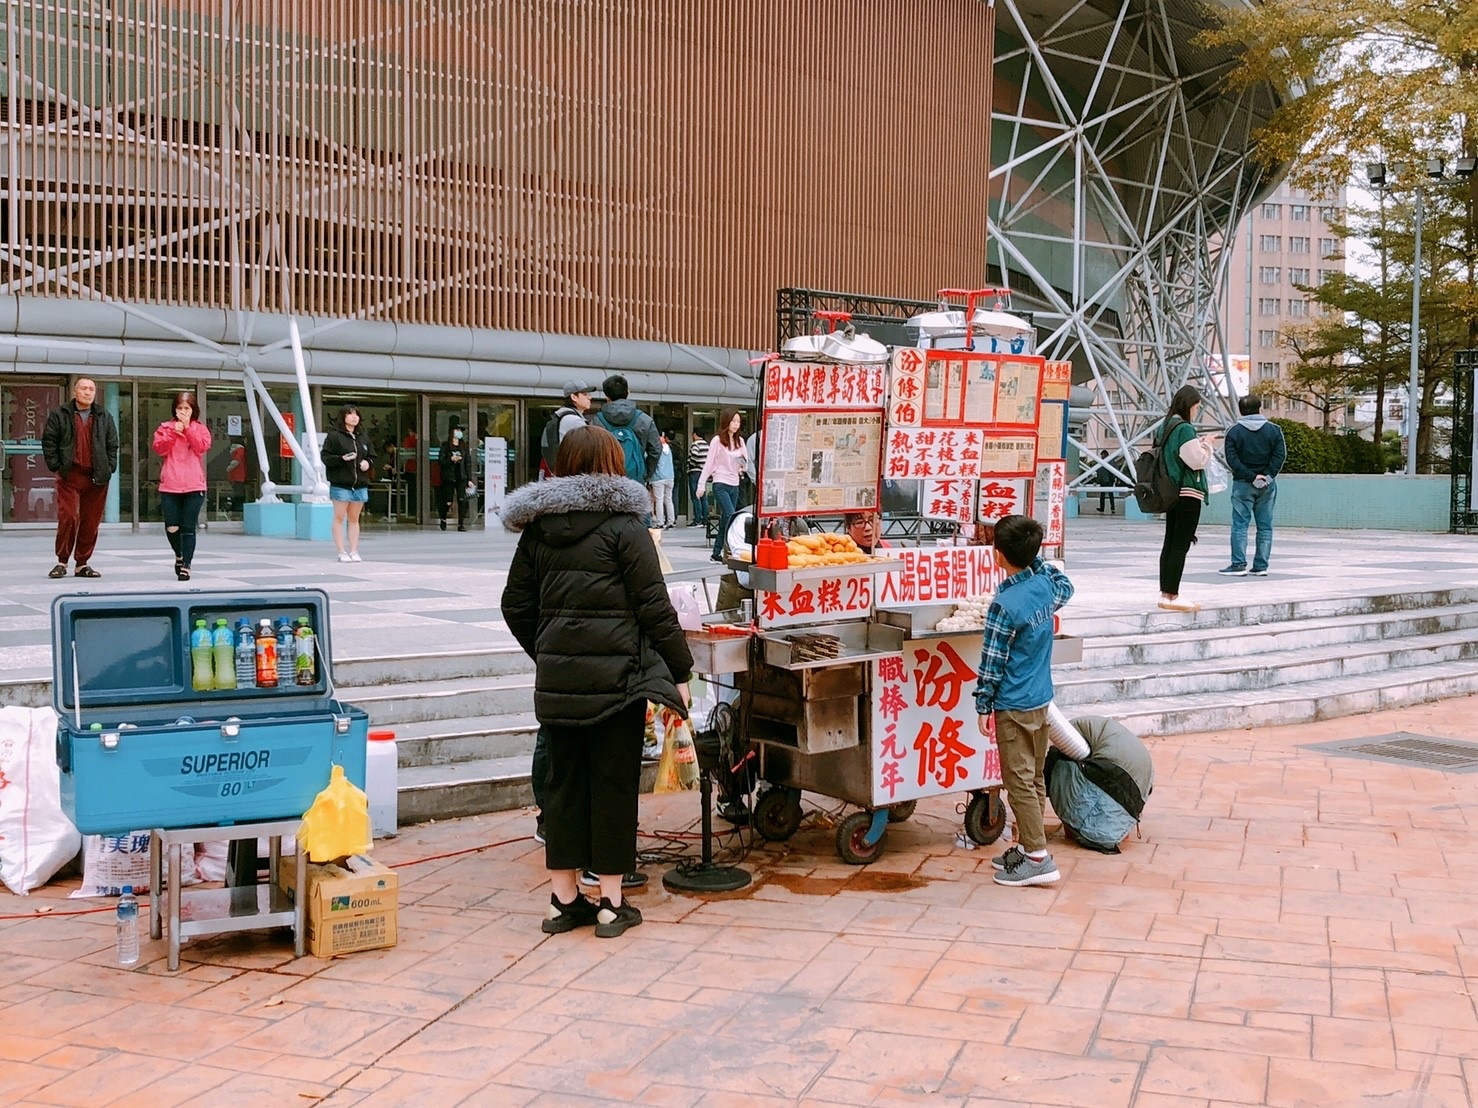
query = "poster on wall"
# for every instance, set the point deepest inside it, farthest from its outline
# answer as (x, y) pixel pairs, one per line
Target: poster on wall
(980, 390)
(1017, 389)
(951, 499)
(1052, 431)
(1010, 454)
(820, 462)
(814, 385)
(1003, 496)
(925, 737)
(1057, 380)
(933, 452)
(1050, 502)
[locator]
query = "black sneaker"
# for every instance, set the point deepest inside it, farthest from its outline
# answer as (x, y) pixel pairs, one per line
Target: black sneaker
(539, 829)
(633, 880)
(559, 918)
(611, 921)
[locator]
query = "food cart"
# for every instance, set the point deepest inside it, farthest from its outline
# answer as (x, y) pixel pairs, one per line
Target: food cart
(855, 678)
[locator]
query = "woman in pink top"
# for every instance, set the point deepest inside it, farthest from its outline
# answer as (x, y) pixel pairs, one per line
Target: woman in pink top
(182, 442)
(728, 459)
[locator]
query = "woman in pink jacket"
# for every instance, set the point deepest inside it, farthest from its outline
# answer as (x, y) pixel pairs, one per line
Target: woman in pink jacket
(182, 442)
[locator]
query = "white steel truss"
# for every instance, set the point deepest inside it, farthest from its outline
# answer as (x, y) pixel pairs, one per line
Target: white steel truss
(1121, 121)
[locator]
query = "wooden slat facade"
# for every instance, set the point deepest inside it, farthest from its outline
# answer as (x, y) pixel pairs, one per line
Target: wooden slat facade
(646, 169)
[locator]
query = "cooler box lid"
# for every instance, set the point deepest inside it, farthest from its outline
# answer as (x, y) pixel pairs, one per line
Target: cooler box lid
(132, 650)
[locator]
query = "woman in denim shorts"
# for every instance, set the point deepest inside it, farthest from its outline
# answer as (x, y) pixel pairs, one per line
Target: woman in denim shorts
(349, 463)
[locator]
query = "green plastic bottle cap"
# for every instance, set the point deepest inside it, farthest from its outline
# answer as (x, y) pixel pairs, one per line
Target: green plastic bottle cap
(96, 727)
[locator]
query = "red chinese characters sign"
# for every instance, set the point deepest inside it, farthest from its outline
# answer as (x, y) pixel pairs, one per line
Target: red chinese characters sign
(791, 385)
(1051, 500)
(952, 498)
(925, 738)
(1003, 496)
(940, 575)
(841, 595)
(931, 452)
(906, 389)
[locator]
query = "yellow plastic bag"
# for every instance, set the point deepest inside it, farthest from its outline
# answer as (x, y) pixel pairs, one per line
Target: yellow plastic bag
(337, 824)
(677, 769)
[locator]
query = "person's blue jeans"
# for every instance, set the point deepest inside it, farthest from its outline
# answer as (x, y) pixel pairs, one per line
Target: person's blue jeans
(698, 511)
(1256, 505)
(727, 499)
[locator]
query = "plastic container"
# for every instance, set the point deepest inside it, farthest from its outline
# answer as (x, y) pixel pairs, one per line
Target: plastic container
(128, 928)
(304, 658)
(223, 647)
(266, 655)
(246, 656)
(287, 673)
(382, 782)
(202, 664)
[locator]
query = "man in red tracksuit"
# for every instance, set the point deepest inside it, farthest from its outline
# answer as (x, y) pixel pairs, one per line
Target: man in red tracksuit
(80, 445)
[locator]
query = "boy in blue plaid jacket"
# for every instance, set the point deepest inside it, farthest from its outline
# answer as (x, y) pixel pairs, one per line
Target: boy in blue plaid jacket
(1015, 687)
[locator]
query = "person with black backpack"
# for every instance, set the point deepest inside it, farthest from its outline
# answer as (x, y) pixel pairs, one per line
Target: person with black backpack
(1185, 456)
(567, 417)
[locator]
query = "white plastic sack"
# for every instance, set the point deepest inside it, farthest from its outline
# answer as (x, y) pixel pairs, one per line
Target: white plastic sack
(1064, 736)
(210, 860)
(111, 861)
(36, 837)
(688, 605)
(1218, 477)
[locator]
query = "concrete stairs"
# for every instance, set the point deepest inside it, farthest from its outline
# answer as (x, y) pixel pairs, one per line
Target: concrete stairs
(1163, 673)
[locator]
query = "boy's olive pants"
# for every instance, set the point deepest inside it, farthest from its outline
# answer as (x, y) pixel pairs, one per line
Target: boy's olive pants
(1022, 740)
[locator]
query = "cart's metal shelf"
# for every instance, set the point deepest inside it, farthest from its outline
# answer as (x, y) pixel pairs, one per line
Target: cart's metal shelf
(922, 623)
(861, 642)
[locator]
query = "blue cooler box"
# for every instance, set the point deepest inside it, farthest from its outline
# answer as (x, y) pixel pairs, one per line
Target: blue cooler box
(251, 754)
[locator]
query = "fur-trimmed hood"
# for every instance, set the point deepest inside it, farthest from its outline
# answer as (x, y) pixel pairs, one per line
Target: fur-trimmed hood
(568, 508)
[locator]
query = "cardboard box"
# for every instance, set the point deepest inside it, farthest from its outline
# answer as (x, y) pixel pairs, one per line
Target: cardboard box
(351, 906)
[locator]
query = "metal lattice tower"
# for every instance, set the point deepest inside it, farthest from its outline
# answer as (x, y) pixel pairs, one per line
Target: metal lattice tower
(1124, 126)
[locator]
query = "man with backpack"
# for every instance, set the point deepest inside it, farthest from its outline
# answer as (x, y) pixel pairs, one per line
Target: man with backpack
(565, 419)
(641, 444)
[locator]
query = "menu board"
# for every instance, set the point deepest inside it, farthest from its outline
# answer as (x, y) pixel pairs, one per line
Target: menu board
(1008, 454)
(820, 462)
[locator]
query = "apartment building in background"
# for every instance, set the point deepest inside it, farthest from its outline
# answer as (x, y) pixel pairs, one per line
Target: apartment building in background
(1287, 242)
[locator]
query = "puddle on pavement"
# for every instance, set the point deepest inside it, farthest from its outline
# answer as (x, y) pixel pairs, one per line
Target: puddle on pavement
(866, 881)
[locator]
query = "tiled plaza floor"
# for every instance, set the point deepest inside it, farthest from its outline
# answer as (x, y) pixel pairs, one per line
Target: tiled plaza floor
(1292, 929)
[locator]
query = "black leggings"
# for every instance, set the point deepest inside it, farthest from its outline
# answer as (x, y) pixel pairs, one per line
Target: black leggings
(590, 792)
(181, 511)
(1180, 533)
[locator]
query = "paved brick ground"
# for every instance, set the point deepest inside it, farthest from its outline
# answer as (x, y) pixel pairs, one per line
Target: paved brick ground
(1291, 929)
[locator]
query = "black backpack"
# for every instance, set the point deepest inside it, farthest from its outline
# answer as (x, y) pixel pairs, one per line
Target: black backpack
(1154, 489)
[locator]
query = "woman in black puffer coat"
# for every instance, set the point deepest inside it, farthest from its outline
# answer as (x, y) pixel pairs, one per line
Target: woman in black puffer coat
(586, 600)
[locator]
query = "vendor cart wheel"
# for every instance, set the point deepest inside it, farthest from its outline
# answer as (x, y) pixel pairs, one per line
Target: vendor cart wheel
(852, 840)
(898, 813)
(985, 817)
(777, 814)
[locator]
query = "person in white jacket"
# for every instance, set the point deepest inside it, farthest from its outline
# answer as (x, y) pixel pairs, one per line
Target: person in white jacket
(728, 461)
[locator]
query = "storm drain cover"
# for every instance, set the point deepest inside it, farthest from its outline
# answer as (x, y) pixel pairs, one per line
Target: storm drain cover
(1404, 748)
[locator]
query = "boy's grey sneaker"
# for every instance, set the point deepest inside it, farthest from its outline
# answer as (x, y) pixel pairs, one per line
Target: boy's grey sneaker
(1006, 857)
(611, 921)
(559, 918)
(1025, 870)
(1233, 571)
(1259, 573)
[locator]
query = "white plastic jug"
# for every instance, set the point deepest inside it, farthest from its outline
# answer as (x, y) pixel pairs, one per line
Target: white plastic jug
(382, 783)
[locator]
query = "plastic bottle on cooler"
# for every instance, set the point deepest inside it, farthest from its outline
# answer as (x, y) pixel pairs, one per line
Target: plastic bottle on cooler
(285, 671)
(128, 927)
(223, 646)
(305, 657)
(246, 656)
(266, 655)
(203, 665)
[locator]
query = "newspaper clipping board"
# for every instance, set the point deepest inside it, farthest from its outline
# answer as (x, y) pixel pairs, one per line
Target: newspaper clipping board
(822, 438)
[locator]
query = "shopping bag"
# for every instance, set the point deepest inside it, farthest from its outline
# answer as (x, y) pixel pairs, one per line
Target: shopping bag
(677, 769)
(1218, 478)
(337, 823)
(663, 563)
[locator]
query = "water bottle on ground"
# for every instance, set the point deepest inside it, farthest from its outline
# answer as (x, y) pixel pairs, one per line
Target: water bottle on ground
(223, 646)
(246, 656)
(304, 653)
(128, 927)
(203, 664)
(266, 656)
(285, 670)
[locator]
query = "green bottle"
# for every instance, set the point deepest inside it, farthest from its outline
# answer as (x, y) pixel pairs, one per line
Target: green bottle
(223, 646)
(200, 655)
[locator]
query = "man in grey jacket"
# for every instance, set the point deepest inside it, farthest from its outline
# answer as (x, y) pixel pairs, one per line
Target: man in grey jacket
(1255, 454)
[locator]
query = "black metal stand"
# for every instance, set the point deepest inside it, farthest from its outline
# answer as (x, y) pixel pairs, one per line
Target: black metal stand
(706, 877)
